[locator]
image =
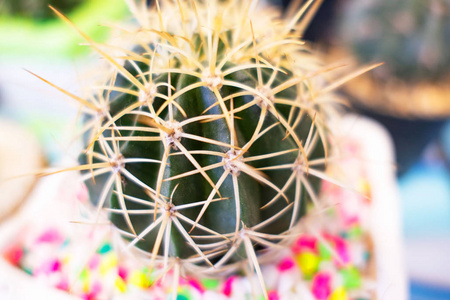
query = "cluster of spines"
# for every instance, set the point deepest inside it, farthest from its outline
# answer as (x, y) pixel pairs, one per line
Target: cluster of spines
(274, 48)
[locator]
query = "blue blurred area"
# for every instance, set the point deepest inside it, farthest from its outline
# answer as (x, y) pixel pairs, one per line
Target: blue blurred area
(425, 196)
(445, 142)
(420, 291)
(425, 192)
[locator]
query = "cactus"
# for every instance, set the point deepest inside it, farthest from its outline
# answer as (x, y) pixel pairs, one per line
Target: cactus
(411, 36)
(210, 134)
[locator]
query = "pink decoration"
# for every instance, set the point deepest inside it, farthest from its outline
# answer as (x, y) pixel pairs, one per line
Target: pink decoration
(123, 273)
(48, 267)
(51, 235)
(341, 248)
(94, 262)
(352, 221)
(327, 187)
(321, 285)
(88, 296)
(55, 266)
(228, 286)
(96, 288)
(197, 285)
(63, 284)
(82, 193)
(286, 264)
(304, 243)
(182, 280)
(14, 255)
(273, 295)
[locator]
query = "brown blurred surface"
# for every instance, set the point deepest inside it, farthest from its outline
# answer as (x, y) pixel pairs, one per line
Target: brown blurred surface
(20, 157)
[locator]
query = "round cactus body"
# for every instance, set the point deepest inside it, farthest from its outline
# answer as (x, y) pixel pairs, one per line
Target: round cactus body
(240, 173)
(209, 137)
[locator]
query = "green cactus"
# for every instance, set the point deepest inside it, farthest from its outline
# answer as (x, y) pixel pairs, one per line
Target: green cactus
(210, 134)
(412, 37)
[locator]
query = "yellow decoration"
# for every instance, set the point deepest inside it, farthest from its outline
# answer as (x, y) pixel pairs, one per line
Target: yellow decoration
(109, 262)
(308, 262)
(120, 284)
(85, 279)
(339, 294)
(364, 187)
(139, 279)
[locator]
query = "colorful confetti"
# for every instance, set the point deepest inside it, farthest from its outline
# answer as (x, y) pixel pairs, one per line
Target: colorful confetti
(327, 263)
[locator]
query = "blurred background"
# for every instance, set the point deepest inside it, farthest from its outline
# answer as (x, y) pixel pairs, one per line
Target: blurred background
(409, 96)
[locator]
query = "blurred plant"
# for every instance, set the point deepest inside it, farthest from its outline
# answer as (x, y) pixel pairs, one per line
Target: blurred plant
(411, 36)
(410, 93)
(30, 22)
(36, 9)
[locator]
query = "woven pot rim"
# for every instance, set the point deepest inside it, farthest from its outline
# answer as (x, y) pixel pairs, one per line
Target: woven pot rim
(395, 97)
(422, 100)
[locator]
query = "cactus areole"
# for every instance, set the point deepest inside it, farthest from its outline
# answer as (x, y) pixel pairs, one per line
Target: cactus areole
(206, 140)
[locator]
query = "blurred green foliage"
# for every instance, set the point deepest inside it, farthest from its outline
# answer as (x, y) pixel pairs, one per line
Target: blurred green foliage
(37, 9)
(30, 32)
